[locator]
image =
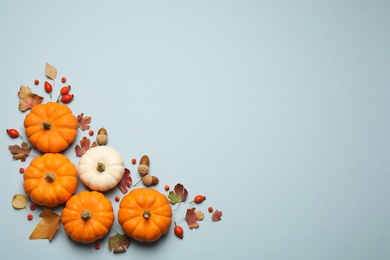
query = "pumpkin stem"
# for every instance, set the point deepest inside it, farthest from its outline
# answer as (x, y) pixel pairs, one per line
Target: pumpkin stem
(86, 215)
(100, 167)
(50, 177)
(146, 214)
(46, 125)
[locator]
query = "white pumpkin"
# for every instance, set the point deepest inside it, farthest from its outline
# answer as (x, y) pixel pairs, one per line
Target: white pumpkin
(101, 168)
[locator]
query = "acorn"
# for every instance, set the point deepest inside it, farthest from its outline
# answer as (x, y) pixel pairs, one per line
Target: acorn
(149, 180)
(101, 137)
(143, 167)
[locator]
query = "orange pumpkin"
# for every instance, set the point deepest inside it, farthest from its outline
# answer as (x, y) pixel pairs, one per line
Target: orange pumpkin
(50, 179)
(87, 216)
(145, 214)
(51, 127)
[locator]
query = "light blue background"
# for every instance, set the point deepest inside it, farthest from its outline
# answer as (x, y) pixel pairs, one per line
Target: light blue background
(278, 111)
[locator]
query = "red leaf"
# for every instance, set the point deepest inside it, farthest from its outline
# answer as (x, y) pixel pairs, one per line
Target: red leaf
(125, 182)
(27, 98)
(85, 144)
(84, 121)
(20, 152)
(192, 217)
(216, 216)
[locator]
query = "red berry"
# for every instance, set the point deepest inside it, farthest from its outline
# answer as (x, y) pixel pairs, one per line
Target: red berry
(65, 90)
(67, 98)
(21, 170)
(30, 216)
(32, 207)
(91, 132)
(97, 246)
(63, 79)
(178, 230)
(48, 87)
(166, 187)
(117, 198)
(133, 161)
(199, 198)
(36, 82)
(210, 209)
(13, 133)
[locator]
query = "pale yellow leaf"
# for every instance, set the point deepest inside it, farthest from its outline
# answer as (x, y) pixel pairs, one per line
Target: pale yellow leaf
(51, 71)
(19, 201)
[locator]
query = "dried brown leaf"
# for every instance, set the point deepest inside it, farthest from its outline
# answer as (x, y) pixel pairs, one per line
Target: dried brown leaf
(50, 71)
(20, 152)
(19, 201)
(48, 226)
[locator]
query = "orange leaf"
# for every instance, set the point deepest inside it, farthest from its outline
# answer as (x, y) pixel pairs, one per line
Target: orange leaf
(27, 98)
(48, 226)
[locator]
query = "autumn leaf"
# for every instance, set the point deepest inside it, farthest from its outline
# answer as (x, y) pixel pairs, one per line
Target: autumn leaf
(85, 144)
(19, 201)
(84, 121)
(125, 182)
(20, 152)
(119, 243)
(178, 195)
(50, 71)
(48, 226)
(216, 216)
(192, 217)
(27, 98)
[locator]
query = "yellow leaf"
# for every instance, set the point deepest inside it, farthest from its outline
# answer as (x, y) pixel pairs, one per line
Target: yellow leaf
(51, 71)
(19, 201)
(27, 98)
(48, 226)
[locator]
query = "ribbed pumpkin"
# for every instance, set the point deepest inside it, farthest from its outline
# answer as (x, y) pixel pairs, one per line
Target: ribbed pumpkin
(51, 127)
(145, 214)
(87, 216)
(50, 179)
(101, 168)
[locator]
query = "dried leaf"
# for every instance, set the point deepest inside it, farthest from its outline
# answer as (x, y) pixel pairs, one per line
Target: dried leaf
(84, 121)
(125, 182)
(192, 217)
(19, 201)
(119, 243)
(27, 98)
(50, 71)
(85, 145)
(20, 152)
(216, 216)
(179, 194)
(48, 226)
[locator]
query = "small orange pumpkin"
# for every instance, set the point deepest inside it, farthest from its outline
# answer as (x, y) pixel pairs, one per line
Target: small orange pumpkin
(87, 216)
(51, 127)
(145, 214)
(50, 179)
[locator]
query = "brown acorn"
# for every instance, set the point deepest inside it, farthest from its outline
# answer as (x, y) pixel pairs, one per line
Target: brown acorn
(143, 167)
(149, 180)
(102, 137)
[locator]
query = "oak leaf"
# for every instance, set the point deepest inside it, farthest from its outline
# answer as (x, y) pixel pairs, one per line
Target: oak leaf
(48, 226)
(119, 243)
(50, 71)
(19, 201)
(193, 217)
(216, 216)
(85, 145)
(27, 98)
(84, 121)
(20, 152)
(125, 182)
